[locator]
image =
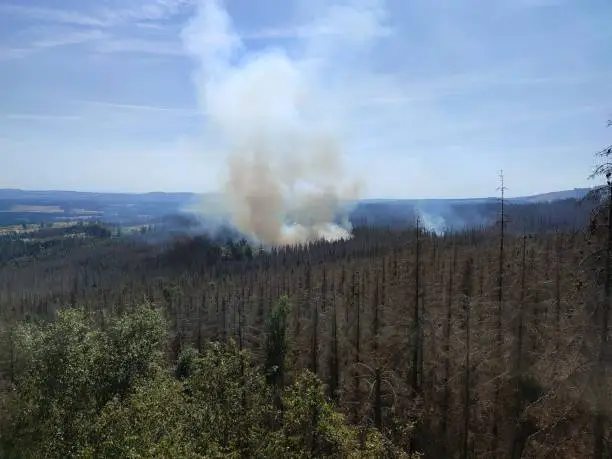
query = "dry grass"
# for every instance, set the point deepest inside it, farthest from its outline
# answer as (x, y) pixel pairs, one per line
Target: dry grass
(37, 209)
(32, 227)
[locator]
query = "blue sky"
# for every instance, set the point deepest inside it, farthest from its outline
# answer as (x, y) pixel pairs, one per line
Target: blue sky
(100, 95)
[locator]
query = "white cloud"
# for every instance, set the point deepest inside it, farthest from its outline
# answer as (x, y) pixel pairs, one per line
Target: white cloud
(139, 45)
(137, 107)
(9, 53)
(124, 12)
(51, 15)
(40, 117)
(34, 40)
(72, 38)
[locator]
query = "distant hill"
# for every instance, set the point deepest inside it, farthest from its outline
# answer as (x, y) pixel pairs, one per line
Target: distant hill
(33, 207)
(576, 193)
(55, 196)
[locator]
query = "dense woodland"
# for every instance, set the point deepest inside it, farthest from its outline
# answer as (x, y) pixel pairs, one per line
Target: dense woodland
(489, 342)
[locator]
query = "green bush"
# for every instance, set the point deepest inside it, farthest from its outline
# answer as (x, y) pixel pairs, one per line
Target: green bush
(81, 390)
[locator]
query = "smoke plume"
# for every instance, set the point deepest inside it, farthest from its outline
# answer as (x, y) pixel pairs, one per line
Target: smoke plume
(279, 120)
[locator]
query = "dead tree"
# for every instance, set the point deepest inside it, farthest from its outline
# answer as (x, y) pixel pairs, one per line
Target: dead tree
(466, 291)
(498, 351)
(447, 344)
(602, 316)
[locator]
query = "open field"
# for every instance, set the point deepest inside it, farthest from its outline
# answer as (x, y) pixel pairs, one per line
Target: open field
(31, 228)
(35, 209)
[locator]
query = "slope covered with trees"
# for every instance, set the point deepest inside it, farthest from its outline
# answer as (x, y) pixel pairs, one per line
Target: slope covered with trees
(82, 389)
(490, 342)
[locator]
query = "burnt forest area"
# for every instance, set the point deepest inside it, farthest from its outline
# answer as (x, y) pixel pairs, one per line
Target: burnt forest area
(488, 342)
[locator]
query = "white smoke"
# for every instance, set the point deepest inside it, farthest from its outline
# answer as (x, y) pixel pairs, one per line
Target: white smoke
(434, 223)
(280, 120)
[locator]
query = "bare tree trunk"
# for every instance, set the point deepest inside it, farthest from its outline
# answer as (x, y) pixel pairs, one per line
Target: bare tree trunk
(314, 351)
(447, 345)
(467, 397)
(415, 380)
(334, 363)
(377, 372)
(518, 443)
(356, 383)
(558, 261)
(601, 389)
(416, 314)
(498, 355)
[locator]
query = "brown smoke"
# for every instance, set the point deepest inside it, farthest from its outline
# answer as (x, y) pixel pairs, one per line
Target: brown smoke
(269, 202)
(279, 125)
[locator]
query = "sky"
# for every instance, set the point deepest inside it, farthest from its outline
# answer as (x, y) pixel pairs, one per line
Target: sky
(432, 98)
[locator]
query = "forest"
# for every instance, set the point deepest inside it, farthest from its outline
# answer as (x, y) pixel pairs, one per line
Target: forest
(401, 342)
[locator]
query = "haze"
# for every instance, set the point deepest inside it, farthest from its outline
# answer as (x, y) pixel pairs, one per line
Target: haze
(424, 98)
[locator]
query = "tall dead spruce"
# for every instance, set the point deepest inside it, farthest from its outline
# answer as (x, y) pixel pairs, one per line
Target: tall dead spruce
(601, 314)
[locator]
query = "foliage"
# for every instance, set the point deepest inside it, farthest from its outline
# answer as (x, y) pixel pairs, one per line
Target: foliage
(150, 423)
(348, 315)
(229, 402)
(68, 370)
(311, 424)
(85, 390)
(186, 363)
(51, 405)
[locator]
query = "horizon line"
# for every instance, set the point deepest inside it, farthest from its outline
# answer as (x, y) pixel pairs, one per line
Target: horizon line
(215, 193)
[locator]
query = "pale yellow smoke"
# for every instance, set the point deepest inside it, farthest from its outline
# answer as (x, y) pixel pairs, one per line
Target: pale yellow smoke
(288, 203)
(278, 127)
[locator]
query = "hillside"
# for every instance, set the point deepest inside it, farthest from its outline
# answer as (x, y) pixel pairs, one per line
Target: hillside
(19, 207)
(435, 342)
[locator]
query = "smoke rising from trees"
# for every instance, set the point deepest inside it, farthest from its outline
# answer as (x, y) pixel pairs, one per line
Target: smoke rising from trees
(279, 119)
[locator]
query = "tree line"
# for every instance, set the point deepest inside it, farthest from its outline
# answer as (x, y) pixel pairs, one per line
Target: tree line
(485, 342)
